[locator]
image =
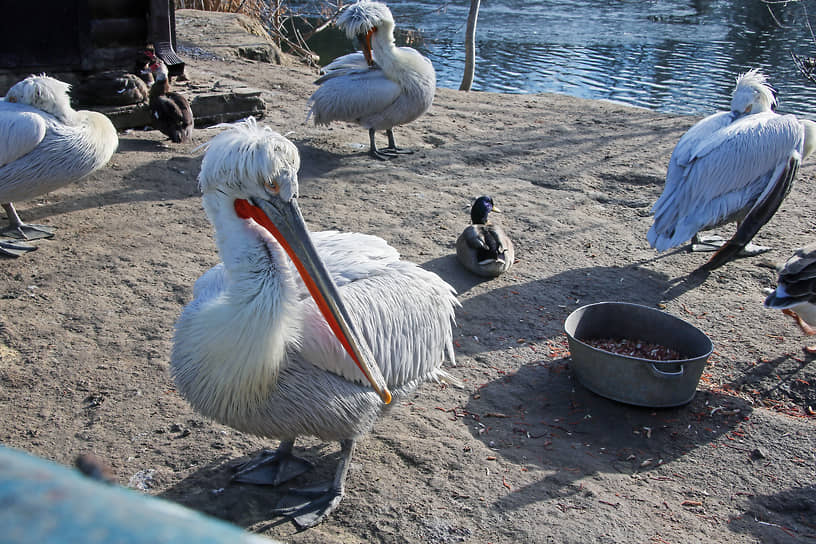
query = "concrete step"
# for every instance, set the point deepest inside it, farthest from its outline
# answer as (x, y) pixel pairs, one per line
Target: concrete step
(209, 108)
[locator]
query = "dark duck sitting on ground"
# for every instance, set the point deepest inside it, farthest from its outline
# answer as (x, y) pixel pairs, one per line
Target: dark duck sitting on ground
(482, 248)
(117, 87)
(170, 111)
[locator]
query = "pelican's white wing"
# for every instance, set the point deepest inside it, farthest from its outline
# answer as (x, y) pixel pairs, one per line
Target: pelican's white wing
(404, 312)
(344, 64)
(718, 176)
(352, 256)
(21, 130)
(683, 154)
(350, 91)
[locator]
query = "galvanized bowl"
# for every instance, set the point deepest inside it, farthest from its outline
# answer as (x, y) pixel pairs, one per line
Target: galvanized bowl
(634, 380)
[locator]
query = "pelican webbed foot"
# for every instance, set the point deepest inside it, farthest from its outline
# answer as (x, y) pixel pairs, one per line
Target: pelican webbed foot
(27, 231)
(715, 243)
(14, 248)
(710, 242)
(272, 467)
(308, 506)
(23, 231)
(392, 148)
(389, 152)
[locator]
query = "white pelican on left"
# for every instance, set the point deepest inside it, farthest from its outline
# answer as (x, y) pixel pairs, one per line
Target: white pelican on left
(257, 349)
(731, 166)
(45, 144)
(379, 88)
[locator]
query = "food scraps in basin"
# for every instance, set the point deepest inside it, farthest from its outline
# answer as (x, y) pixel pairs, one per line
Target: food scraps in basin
(635, 348)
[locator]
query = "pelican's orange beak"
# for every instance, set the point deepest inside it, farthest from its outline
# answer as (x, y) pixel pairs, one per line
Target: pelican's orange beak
(366, 41)
(289, 229)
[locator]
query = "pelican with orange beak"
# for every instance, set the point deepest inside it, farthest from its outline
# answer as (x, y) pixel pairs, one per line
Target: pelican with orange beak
(298, 333)
(380, 87)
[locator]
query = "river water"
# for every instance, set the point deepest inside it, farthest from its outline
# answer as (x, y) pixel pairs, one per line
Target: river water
(669, 56)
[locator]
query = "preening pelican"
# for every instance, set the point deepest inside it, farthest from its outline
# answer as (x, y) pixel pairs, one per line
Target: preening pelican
(484, 248)
(731, 166)
(170, 111)
(379, 88)
(258, 349)
(795, 292)
(45, 144)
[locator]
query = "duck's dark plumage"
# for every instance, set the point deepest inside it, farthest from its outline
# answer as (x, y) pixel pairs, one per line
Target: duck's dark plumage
(117, 87)
(110, 88)
(795, 293)
(484, 248)
(170, 111)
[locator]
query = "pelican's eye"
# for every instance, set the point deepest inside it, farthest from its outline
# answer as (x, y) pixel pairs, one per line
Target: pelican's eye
(272, 186)
(12, 99)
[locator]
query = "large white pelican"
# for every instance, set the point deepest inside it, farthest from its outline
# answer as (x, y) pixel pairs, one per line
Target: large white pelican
(484, 248)
(795, 293)
(379, 88)
(731, 166)
(257, 349)
(45, 144)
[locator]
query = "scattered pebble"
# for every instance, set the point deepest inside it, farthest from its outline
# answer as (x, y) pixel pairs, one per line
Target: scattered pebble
(142, 480)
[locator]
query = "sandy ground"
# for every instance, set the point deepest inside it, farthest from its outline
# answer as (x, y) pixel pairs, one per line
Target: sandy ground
(522, 453)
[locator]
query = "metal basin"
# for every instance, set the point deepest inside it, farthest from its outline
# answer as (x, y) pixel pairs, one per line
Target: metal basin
(635, 380)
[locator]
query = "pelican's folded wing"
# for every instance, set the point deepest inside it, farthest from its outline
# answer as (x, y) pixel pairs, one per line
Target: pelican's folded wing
(353, 62)
(350, 256)
(21, 131)
(404, 313)
(725, 173)
(352, 94)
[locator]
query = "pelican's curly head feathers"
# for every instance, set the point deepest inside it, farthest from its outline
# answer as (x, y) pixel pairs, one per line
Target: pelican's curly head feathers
(44, 93)
(361, 17)
(753, 94)
(247, 159)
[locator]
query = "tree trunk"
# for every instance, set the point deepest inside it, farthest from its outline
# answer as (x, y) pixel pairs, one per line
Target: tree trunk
(470, 46)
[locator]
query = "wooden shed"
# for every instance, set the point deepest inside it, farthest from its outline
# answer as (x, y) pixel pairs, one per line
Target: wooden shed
(73, 38)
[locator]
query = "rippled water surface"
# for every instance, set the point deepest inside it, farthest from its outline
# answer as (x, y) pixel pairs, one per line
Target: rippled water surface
(670, 56)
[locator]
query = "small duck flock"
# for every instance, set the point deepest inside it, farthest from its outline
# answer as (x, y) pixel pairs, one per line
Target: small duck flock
(118, 87)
